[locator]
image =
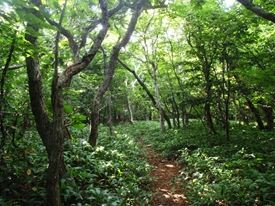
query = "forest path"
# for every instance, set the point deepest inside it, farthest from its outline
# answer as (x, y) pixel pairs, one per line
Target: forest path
(167, 191)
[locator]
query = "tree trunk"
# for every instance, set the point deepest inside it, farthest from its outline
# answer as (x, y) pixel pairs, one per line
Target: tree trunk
(165, 116)
(109, 101)
(109, 105)
(2, 94)
(185, 115)
(256, 113)
(128, 103)
(160, 109)
(111, 69)
(209, 118)
(53, 134)
(269, 117)
(130, 110)
(52, 141)
(207, 104)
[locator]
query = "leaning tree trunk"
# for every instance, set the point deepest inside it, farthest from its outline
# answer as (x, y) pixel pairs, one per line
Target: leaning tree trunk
(141, 83)
(256, 113)
(109, 75)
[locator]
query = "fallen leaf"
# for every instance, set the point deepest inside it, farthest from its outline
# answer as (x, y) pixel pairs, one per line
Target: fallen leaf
(28, 171)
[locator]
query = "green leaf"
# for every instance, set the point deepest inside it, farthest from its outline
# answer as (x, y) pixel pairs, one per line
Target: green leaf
(68, 109)
(79, 126)
(78, 117)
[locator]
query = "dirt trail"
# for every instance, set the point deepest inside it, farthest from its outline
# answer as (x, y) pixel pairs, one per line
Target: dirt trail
(167, 191)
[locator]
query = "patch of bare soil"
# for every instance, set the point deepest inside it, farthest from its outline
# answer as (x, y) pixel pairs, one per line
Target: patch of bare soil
(167, 192)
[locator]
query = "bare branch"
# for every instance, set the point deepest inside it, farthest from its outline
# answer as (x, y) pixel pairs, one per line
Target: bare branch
(13, 67)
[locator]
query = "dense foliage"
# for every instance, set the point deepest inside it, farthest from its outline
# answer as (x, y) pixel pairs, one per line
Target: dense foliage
(114, 173)
(217, 172)
(204, 69)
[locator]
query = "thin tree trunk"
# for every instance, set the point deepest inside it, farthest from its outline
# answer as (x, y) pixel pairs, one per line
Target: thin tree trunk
(207, 106)
(109, 101)
(130, 110)
(165, 116)
(128, 103)
(110, 123)
(2, 94)
(226, 94)
(185, 115)
(161, 118)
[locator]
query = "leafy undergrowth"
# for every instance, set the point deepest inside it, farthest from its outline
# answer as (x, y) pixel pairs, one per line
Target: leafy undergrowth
(217, 172)
(114, 173)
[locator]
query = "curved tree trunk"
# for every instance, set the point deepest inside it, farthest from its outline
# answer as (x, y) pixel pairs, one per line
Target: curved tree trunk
(109, 74)
(53, 134)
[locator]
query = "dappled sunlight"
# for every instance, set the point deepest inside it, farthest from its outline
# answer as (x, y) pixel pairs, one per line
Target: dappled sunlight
(173, 197)
(166, 184)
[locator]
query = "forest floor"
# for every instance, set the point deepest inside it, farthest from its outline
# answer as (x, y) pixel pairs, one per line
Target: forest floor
(166, 187)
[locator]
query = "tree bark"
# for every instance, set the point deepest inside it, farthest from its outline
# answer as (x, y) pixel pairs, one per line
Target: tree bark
(57, 167)
(109, 75)
(53, 134)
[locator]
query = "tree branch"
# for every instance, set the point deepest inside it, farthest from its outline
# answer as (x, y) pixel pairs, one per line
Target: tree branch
(66, 77)
(97, 22)
(73, 45)
(13, 67)
(257, 10)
